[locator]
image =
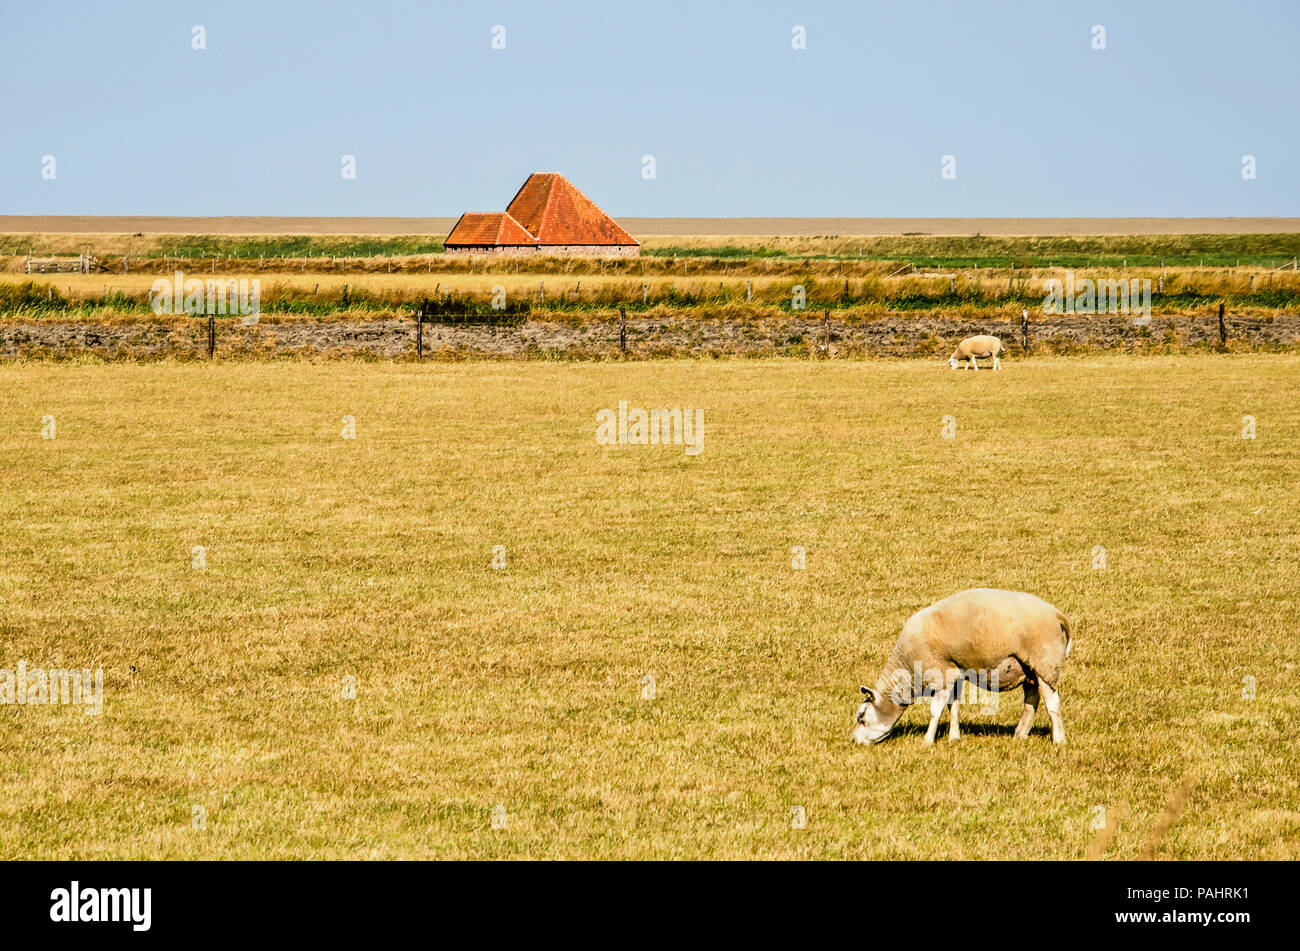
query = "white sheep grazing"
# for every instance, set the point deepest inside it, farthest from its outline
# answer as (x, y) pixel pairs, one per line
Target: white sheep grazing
(997, 639)
(982, 346)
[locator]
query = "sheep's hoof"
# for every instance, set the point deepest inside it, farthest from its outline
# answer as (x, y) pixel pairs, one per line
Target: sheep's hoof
(954, 739)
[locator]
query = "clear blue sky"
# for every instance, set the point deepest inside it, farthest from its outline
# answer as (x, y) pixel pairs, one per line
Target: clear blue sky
(739, 123)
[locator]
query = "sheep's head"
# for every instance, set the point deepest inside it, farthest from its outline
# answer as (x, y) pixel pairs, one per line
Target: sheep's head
(952, 361)
(871, 724)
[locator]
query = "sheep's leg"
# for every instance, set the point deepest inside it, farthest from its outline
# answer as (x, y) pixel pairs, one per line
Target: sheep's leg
(937, 703)
(953, 732)
(973, 365)
(1031, 708)
(1053, 701)
(997, 364)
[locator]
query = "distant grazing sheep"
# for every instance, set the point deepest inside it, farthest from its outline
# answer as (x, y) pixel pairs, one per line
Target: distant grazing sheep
(982, 346)
(997, 639)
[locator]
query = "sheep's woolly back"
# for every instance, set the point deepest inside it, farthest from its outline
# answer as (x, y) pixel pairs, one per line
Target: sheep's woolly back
(980, 344)
(980, 628)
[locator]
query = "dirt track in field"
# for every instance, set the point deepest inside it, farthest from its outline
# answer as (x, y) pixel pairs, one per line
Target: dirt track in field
(93, 224)
(396, 339)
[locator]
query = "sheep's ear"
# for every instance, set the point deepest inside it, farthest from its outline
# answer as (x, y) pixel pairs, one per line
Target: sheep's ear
(867, 694)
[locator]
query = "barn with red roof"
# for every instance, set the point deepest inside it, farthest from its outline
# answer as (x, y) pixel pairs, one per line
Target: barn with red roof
(548, 215)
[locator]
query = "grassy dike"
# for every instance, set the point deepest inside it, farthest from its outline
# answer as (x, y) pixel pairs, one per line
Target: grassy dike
(970, 251)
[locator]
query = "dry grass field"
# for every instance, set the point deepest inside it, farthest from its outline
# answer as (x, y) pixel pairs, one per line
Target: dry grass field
(347, 675)
(741, 293)
(559, 289)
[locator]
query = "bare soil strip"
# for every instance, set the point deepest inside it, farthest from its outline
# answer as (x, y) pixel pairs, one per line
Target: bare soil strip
(396, 339)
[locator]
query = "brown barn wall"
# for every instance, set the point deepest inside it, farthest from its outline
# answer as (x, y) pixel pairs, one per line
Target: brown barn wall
(591, 250)
(500, 249)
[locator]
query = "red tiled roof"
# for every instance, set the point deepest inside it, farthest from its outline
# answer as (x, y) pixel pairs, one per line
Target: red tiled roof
(488, 228)
(550, 207)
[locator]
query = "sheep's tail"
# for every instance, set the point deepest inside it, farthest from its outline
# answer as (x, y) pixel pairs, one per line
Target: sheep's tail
(1065, 629)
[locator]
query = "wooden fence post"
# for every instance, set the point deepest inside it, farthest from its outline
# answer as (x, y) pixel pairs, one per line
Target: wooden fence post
(828, 333)
(622, 330)
(1024, 327)
(1223, 330)
(212, 335)
(419, 332)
